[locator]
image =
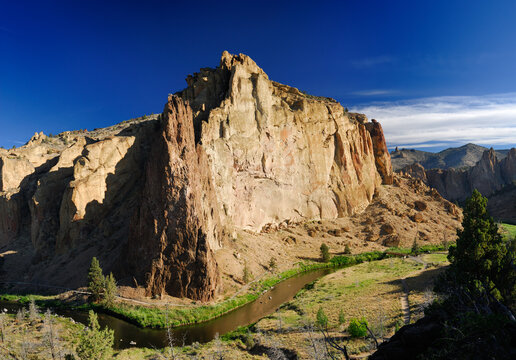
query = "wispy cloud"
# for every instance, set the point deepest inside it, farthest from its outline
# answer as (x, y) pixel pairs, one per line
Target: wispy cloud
(373, 61)
(374, 92)
(453, 120)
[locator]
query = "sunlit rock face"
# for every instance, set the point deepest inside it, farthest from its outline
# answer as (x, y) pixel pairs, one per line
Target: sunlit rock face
(277, 154)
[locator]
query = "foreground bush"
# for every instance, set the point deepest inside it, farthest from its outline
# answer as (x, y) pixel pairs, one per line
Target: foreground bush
(94, 343)
(358, 328)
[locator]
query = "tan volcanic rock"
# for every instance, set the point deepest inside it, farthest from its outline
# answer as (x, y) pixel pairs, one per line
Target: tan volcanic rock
(12, 171)
(416, 171)
(276, 154)
(177, 226)
(381, 153)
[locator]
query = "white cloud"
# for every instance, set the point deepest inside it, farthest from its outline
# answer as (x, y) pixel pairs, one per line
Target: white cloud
(374, 92)
(373, 61)
(453, 120)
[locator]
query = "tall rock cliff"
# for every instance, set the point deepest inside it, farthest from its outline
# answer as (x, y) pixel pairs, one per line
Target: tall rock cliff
(152, 198)
(277, 154)
(177, 225)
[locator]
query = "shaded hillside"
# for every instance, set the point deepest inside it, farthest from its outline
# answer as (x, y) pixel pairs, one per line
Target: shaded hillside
(459, 157)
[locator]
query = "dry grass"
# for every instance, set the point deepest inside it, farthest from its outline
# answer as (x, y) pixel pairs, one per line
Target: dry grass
(370, 290)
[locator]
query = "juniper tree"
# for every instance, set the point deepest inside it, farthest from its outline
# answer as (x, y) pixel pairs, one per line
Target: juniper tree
(325, 252)
(95, 280)
(110, 290)
(322, 319)
(481, 259)
(94, 343)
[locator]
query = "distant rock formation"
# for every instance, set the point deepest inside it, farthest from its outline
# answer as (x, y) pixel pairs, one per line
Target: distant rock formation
(456, 158)
(490, 176)
(487, 176)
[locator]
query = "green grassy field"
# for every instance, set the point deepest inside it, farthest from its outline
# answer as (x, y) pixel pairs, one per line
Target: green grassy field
(509, 229)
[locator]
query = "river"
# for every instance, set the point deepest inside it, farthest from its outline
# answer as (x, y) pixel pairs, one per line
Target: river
(126, 334)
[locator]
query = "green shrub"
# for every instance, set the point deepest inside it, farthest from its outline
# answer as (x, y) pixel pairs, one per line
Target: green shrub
(325, 252)
(357, 328)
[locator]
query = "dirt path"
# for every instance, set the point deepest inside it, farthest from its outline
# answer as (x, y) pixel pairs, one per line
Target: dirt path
(405, 306)
(404, 299)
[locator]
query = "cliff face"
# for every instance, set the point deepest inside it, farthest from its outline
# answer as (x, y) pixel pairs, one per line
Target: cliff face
(153, 198)
(177, 225)
(276, 154)
(488, 176)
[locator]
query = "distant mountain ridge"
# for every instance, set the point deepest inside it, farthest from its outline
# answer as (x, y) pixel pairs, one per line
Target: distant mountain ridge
(460, 157)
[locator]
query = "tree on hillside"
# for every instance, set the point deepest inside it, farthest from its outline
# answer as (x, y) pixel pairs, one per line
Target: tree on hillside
(325, 252)
(481, 259)
(94, 343)
(415, 247)
(96, 280)
(322, 319)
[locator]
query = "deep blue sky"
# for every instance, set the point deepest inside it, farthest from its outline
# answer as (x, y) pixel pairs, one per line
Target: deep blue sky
(68, 65)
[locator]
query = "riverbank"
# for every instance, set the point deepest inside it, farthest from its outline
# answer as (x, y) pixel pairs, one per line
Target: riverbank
(162, 317)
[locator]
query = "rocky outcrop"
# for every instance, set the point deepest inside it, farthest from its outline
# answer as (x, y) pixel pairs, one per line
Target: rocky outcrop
(381, 154)
(177, 225)
(276, 154)
(488, 176)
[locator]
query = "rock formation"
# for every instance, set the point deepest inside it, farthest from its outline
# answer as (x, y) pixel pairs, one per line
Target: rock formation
(488, 176)
(177, 225)
(381, 154)
(452, 158)
(275, 153)
(153, 197)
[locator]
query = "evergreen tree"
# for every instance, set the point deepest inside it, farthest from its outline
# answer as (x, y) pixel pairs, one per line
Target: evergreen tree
(481, 259)
(110, 290)
(94, 343)
(247, 273)
(95, 280)
(322, 319)
(415, 247)
(347, 250)
(342, 317)
(325, 252)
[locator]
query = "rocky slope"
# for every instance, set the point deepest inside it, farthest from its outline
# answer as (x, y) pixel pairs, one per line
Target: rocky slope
(457, 158)
(157, 199)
